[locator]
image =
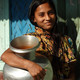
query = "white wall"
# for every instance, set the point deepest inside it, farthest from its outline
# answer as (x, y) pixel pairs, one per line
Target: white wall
(4, 28)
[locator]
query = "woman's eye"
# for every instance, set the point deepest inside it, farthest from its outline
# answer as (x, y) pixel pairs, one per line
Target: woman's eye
(41, 15)
(51, 12)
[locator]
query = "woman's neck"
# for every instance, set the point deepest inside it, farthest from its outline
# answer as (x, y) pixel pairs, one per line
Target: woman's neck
(42, 31)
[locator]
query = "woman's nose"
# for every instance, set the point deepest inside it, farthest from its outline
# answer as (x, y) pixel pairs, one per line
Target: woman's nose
(47, 17)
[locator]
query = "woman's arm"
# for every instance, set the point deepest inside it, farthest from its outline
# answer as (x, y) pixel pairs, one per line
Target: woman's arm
(11, 59)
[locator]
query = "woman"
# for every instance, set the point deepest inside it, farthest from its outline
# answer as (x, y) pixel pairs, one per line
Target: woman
(57, 49)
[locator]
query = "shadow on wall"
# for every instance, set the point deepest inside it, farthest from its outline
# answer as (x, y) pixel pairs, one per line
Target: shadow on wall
(2, 10)
(68, 19)
(19, 9)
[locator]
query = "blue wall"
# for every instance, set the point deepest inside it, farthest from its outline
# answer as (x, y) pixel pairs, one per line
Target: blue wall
(19, 22)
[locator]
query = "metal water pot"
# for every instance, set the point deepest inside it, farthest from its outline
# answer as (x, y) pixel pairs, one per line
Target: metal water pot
(25, 47)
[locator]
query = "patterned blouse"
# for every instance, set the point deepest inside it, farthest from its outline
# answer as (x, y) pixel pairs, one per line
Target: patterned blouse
(65, 53)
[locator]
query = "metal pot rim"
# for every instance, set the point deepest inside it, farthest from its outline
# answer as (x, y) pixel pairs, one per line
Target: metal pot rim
(24, 50)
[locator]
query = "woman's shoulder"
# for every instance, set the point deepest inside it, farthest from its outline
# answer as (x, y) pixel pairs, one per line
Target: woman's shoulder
(67, 48)
(67, 39)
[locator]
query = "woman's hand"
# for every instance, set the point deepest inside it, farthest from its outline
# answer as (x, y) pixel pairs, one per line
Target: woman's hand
(36, 71)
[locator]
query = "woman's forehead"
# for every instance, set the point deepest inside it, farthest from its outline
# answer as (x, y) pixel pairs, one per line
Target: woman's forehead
(43, 7)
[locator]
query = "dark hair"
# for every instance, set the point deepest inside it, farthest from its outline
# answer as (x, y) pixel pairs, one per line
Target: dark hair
(34, 4)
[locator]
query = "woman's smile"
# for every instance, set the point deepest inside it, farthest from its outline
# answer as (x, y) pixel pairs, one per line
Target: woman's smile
(48, 23)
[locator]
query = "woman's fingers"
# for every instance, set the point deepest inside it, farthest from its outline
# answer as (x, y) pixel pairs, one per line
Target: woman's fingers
(44, 71)
(40, 75)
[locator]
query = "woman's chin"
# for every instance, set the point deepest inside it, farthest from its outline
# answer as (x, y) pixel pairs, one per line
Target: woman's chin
(48, 28)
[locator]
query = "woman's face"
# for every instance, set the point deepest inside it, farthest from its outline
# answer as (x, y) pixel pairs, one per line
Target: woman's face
(44, 16)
